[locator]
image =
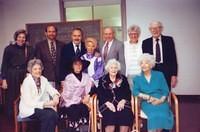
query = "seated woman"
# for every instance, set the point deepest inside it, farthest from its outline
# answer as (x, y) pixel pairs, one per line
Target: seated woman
(38, 98)
(75, 95)
(114, 97)
(152, 88)
(96, 67)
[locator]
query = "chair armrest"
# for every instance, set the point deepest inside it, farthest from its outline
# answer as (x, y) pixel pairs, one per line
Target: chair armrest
(137, 113)
(94, 113)
(174, 99)
(16, 105)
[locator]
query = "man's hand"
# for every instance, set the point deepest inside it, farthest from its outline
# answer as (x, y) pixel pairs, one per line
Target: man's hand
(173, 81)
(4, 84)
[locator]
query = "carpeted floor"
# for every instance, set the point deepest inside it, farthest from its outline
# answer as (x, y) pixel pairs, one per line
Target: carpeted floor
(189, 116)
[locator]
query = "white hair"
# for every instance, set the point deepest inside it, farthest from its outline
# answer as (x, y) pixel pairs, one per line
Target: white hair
(157, 23)
(134, 28)
(147, 57)
(112, 62)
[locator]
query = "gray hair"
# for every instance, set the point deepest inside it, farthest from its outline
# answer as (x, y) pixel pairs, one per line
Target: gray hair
(157, 23)
(134, 28)
(147, 57)
(34, 62)
(112, 62)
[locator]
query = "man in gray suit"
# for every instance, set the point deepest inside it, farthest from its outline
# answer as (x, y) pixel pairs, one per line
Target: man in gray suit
(49, 52)
(111, 48)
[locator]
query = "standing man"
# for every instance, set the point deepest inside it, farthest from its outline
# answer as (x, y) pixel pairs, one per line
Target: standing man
(163, 49)
(112, 48)
(49, 52)
(76, 48)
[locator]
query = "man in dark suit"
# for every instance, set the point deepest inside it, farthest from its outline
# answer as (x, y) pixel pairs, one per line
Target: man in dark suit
(111, 48)
(76, 48)
(163, 49)
(49, 52)
(164, 52)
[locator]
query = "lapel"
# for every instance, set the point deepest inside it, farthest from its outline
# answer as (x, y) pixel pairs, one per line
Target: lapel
(112, 50)
(151, 45)
(34, 87)
(46, 49)
(71, 49)
(163, 39)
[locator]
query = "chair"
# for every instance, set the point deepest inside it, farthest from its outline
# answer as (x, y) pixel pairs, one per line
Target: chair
(173, 101)
(66, 122)
(20, 123)
(96, 122)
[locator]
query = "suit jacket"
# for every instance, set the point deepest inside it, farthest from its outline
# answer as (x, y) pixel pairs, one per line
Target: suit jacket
(51, 71)
(67, 56)
(169, 66)
(116, 52)
(30, 99)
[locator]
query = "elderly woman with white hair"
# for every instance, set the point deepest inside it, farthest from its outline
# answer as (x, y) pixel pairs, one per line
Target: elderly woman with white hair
(38, 98)
(114, 99)
(152, 88)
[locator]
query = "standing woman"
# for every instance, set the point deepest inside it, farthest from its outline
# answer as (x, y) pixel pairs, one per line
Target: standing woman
(14, 65)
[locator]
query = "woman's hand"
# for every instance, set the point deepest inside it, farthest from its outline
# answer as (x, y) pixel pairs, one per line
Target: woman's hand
(86, 99)
(121, 104)
(157, 101)
(110, 106)
(4, 84)
(56, 100)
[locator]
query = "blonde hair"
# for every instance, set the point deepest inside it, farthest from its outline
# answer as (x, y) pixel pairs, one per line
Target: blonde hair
(92, 40)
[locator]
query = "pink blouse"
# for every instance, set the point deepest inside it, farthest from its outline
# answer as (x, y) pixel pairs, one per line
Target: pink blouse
(74, 90)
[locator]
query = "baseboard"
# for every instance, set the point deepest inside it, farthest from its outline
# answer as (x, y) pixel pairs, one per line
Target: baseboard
(189, 98)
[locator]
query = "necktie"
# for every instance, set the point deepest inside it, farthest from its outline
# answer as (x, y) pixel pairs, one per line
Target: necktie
(158, 57)
(53, 52)
(78, 51)
(105, 52)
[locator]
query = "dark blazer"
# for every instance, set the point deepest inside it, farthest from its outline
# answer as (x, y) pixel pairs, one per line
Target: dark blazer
(51, 71)
(169, 66)
(116, 52)
(67, 56)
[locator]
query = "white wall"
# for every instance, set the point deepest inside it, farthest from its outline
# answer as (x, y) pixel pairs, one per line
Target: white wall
(15, 14)
(181, 20)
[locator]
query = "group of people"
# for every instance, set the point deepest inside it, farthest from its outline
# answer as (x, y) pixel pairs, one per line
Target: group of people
(111, 69)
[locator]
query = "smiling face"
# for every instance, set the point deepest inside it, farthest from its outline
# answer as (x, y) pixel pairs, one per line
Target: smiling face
(113, 69)
(155, 29)
(76, 36)
(36, 71)
(51, 33)
(21, 39)
(90, 46)
(77, 67)
(145, 66)
(108, 34)
(133, 36)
